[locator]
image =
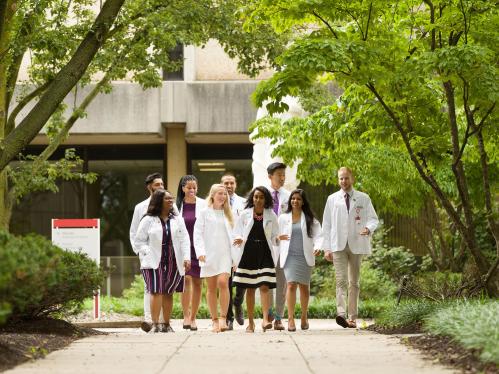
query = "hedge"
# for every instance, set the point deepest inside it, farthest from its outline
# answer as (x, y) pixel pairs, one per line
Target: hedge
(38, 278)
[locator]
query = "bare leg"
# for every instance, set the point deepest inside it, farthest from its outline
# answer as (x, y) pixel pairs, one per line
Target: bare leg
(167, 307)
(155, 307)
(304, 297)
(211, 297)
(186, 298)
(264, 295)
(223, 286)
(195, 299)
(291, 300)
(250, 306)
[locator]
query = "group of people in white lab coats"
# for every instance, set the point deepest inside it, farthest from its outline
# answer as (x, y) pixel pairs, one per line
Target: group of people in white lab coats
(267, 241)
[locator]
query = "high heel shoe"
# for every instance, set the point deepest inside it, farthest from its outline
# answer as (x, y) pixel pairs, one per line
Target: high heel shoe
(222, 322)
(266, 326)
(216, 325)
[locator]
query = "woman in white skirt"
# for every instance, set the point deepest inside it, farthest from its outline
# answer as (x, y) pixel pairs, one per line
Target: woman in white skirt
(212, 241)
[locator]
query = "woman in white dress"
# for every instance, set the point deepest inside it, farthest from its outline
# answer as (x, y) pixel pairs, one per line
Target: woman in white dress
(212, 241)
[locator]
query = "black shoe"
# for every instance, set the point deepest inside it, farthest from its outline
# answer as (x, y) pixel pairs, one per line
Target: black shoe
(230, 325)
(145, 326)
(340, 320)
(239, 314)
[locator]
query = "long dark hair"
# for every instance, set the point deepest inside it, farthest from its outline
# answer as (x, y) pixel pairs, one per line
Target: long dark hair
(180, 192)
(307, 210)
(156, 204)
(268, 197)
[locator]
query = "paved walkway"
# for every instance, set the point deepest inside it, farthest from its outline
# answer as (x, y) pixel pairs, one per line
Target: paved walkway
(325, 348)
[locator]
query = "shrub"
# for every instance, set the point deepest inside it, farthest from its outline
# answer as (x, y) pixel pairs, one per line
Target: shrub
(373, 283)
(473, 324)
(407, 313)
(38, 278)
(434, 285)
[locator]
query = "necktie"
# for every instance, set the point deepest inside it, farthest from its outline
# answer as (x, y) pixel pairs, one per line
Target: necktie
(231, 200)
(347, 201)
(275, 197)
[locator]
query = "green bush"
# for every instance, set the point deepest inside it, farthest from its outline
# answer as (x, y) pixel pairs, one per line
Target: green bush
(373, 283)
(407, 313)
(473, 324)
(38, 278)
(393, 261)
(434, 285)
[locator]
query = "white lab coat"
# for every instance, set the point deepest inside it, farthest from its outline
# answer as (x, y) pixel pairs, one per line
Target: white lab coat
(204, 226)
(149, 239)
(237, 206)
(139, 212)
(243, 228)
(309, 244)
(340, 226)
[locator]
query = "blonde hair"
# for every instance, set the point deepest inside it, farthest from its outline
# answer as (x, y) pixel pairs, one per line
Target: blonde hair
(226, 206)
(347, 169)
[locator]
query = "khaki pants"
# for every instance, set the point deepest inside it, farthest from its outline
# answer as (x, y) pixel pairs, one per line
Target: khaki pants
(347, 268)
(280, 292)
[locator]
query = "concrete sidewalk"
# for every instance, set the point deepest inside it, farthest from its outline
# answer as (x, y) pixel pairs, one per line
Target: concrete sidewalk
(325, 348)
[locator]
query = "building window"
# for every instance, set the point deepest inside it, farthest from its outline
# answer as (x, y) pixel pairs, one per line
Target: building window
(176, 55)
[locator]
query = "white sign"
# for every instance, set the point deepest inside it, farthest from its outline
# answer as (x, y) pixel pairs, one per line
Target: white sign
(80, 235)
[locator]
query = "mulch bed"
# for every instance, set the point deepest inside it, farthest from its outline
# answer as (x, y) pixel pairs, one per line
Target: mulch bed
(22, 341)
(441, 349)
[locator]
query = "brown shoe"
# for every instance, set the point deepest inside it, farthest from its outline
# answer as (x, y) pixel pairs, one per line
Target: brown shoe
(278, 326)
(342, 321)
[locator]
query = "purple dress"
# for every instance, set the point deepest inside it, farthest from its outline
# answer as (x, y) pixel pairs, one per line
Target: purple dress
(189, 215)
(166, 279)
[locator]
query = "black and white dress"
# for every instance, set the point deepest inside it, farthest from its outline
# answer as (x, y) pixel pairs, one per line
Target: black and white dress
(256, 267)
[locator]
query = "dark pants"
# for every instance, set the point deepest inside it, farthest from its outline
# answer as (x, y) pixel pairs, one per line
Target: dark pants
(237, 300)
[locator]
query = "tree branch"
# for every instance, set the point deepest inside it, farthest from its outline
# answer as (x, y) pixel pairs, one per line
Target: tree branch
(326, 23)
(11, 121)
(432, 21)
(368, 20)
(428, 178)
(63, 82)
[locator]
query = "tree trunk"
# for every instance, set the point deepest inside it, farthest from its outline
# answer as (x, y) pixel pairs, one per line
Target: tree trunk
(64, 81)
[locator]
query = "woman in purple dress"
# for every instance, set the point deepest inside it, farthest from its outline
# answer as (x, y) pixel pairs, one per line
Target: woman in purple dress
(189, 206)
(163, 245)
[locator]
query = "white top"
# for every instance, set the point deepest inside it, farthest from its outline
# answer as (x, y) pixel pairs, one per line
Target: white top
(139, 212)
(212, 239)
(237, 206)
(340, 226)
(309, 244)
(243, 228)
(149, 240)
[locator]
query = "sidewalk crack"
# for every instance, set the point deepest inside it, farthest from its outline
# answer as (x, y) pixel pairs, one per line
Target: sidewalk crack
(302, 355)
(172, 355)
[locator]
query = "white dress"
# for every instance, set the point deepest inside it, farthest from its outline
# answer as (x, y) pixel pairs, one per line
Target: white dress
(218, 258)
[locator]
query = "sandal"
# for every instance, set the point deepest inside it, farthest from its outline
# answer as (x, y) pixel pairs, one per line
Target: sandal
(250, 328)
(266, 326)
(222, 322)
(215, 325)
(352, 324)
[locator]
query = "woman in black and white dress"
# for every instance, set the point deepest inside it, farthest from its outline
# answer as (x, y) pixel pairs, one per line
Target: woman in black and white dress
(255, 236)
